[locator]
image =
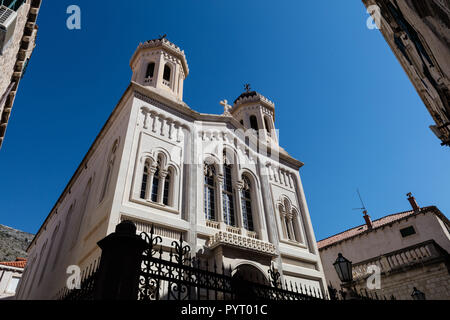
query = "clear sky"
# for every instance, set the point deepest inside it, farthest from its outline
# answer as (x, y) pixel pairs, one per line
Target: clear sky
(344, 105)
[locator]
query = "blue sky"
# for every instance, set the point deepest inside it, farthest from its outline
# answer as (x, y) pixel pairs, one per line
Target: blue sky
(344, 106)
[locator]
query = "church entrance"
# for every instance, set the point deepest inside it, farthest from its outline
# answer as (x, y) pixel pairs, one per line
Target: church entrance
(241, 279)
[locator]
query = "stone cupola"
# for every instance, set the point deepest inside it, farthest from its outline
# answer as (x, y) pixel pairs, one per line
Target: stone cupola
(161, 65)
(254, 111)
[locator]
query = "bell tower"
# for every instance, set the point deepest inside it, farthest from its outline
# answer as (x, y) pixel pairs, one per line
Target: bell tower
(161, 65)
(254, 111)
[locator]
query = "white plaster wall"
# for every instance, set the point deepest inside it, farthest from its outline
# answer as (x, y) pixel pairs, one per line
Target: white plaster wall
(93, 224)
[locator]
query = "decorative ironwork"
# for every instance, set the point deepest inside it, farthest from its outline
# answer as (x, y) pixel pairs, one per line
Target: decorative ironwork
(176, 275)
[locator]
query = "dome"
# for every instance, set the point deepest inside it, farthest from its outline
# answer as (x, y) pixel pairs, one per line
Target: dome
(252, 96)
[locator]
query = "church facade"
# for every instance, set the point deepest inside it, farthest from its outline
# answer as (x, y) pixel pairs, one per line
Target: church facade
(221, 181)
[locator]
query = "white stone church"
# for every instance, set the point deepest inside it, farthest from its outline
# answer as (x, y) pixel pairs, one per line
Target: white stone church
(221, 181)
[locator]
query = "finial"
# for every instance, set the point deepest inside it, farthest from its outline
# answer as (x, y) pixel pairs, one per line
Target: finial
(162, 36)
(247, 87)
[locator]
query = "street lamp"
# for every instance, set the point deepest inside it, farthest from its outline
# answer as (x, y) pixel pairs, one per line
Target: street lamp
(343, 268)
(417, 294)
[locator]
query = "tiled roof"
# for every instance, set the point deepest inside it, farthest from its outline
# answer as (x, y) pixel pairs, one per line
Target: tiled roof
(363, 228)
(19, 263)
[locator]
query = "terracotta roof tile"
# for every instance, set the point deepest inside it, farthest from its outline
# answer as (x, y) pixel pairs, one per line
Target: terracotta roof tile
(363, 228)
(19, 263)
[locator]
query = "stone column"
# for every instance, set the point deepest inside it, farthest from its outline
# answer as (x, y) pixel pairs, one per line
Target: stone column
(219, 202)
(283, 225)
(162, 179)
(148, 191)
(290, 226)
(239, 185)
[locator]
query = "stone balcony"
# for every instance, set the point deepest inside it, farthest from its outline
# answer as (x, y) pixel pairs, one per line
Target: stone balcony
(241, 242)
(419, 254)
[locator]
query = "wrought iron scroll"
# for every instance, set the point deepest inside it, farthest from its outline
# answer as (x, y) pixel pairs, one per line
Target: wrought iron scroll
(177, 275)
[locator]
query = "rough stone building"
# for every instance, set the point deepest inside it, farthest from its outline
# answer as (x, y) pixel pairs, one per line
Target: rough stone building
(418, 33)
(411, 249)
(221, 181)
(18, 31)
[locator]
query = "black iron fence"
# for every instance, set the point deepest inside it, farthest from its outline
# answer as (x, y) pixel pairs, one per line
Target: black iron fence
(183, 277)
(136, 267)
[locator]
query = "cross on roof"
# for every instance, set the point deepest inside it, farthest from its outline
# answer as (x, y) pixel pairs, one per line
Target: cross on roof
(247, 87)
(162, 36)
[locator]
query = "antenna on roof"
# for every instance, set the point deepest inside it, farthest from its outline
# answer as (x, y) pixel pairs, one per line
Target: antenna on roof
(362, 203)
(366, 216)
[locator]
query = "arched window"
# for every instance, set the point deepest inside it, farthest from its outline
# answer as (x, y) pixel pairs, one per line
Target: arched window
(155, 184)
(167, 188)
(289, 223)
(288, 228)
(38, 265)
(144, 181)
(209, 193)
(150, 70)
(266, 123)
(246, 200)
(109, 168)
(106, 180)
(81, 213)
(254, 123)
(296, 226)
(60, 248)
(49, 252)
(227, 196)
(167, 72)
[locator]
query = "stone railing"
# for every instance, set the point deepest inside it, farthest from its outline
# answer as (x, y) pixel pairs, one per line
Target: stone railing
(419, 253)
(252, 234)
(148, 80)
(227, 238)
(213, 224)
(234, 230)
(167, 83)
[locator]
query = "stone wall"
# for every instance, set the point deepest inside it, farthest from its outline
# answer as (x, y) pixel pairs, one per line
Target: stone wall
(9, 56)
(15, 57)
(433, 280)
(422, 24)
